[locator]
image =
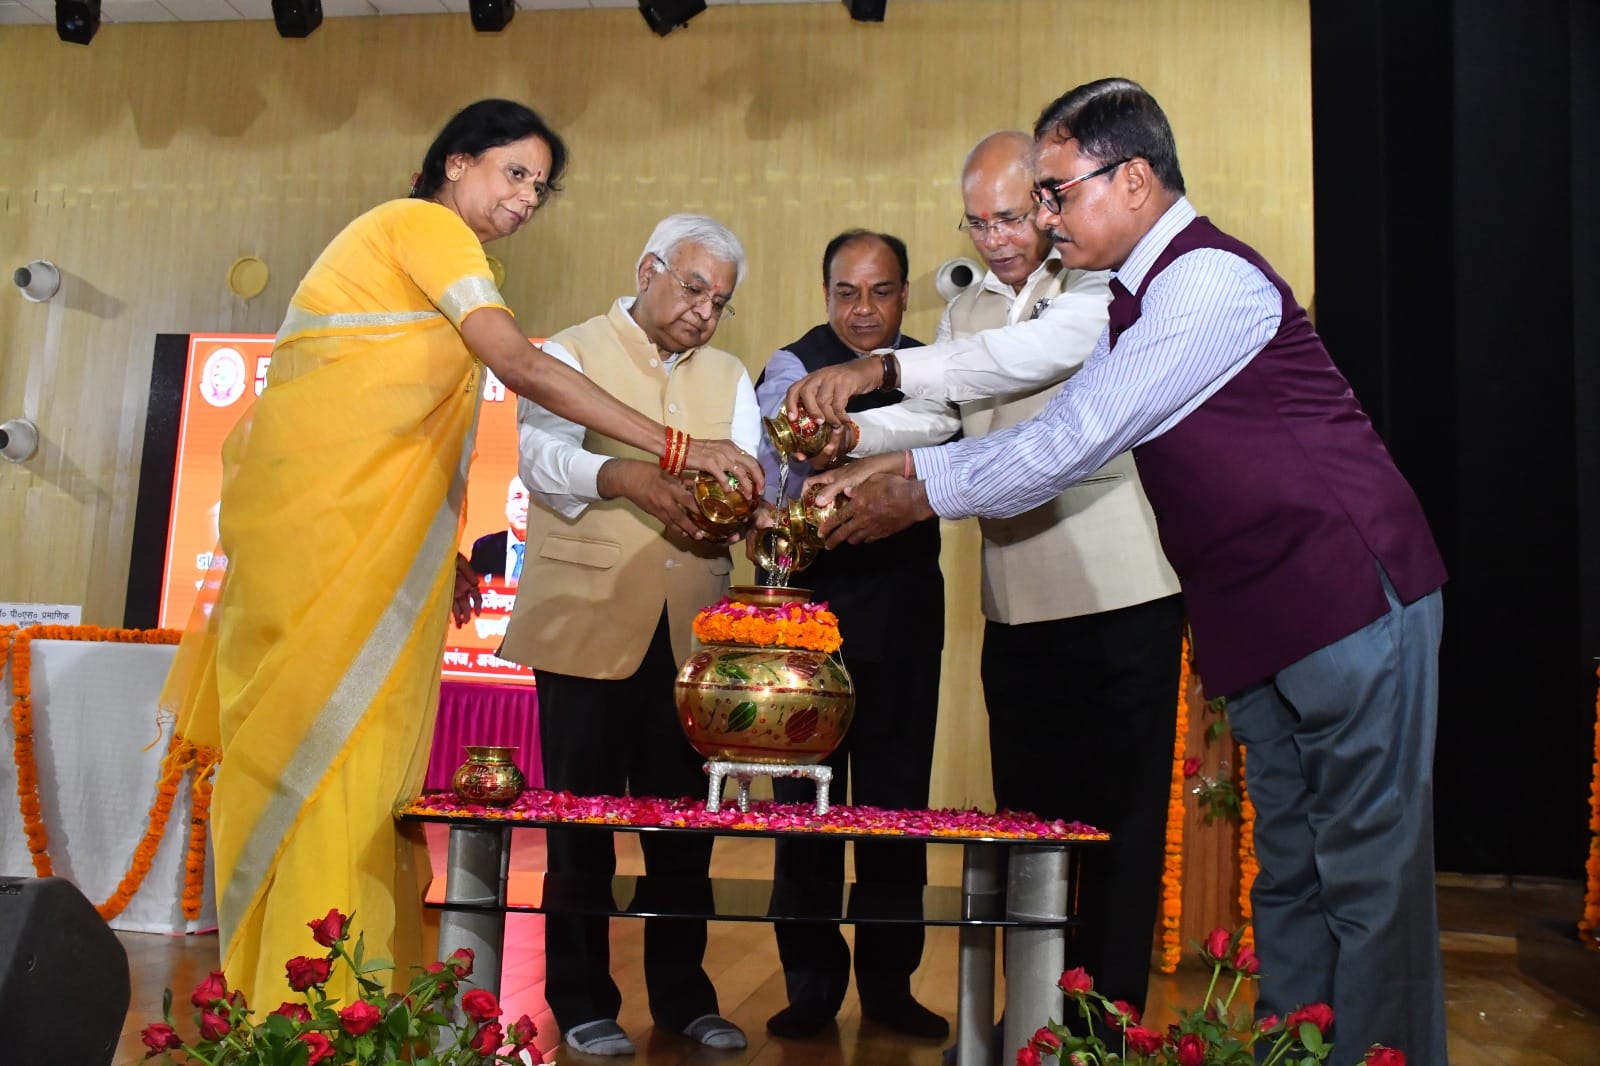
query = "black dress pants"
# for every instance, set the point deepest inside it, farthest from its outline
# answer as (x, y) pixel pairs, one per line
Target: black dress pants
(1081, 718)
(886, 760)
(602, 738)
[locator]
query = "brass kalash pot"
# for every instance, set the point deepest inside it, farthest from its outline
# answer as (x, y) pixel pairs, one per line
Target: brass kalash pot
(749, 702)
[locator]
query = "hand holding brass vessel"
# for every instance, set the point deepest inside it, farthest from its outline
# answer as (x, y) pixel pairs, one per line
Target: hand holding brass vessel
(722, 508)
(803, 435)
(794, 540)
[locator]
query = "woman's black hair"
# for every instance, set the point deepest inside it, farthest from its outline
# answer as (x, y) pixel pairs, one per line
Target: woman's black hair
(481, 126)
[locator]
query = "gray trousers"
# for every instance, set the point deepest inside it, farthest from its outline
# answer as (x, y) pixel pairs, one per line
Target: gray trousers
(1339, 763)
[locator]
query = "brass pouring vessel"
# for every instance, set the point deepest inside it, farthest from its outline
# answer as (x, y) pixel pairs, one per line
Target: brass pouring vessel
(804, 435)
(796, 539)
(722, 508)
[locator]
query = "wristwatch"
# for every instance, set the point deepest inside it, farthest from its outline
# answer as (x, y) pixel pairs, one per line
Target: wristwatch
(891, 369)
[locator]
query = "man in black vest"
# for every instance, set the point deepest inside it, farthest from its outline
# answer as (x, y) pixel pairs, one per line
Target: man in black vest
(889, 597)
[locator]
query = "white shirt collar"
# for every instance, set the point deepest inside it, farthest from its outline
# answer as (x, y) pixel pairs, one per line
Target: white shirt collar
(1154, 242)
(1000, 288)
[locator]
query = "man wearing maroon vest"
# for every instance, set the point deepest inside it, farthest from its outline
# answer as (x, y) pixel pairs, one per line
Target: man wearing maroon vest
(1307, 567)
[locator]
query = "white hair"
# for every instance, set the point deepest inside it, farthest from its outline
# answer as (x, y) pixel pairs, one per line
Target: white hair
(699, 229)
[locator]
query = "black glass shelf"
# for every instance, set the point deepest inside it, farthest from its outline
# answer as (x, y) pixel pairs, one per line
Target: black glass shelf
(747, 900)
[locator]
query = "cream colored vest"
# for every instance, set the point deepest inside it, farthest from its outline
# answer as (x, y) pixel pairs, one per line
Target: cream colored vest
(592, 590)
(1094, 547)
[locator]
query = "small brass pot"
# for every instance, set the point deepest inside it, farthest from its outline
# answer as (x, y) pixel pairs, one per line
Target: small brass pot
(804, 435)
(723, 509)
(488, 777)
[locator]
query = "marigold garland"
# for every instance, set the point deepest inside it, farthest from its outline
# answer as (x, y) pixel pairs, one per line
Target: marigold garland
(180, 758)
(1172, 864)
(1589, 925)
(795, 625)
(1248, 867)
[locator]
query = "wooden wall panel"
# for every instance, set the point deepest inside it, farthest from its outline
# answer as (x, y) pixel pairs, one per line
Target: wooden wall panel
(146, 163)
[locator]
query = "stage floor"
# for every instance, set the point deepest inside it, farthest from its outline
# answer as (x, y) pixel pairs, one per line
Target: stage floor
(1497, 1017)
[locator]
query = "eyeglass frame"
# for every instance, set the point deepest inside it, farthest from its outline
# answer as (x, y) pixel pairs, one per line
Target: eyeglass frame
(1053, 205)
(706, 295)
(981, 230)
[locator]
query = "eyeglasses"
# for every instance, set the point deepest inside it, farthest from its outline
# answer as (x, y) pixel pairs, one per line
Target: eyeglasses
(1004, 226)
(1049, 196)
(698, 294)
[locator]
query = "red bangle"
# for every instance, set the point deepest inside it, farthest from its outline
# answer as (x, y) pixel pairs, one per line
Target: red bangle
(909, 471)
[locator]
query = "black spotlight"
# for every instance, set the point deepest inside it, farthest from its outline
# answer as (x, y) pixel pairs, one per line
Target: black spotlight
(296, 18)
(866, 10)
(76, 20)
(491, 16)
(665, 16)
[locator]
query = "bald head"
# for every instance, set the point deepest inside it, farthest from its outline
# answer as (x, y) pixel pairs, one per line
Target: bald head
(996, 188)
(997, 153)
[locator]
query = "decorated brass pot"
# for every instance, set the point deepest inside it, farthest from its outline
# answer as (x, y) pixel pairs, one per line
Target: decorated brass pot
(488, 777)
(764, 704)
(804, 435)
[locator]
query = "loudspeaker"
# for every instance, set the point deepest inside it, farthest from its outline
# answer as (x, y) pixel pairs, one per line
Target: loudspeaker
(491, 16)
(63, 976)
(664, 16)
(77, 20)
(296, 18)
(866, 10)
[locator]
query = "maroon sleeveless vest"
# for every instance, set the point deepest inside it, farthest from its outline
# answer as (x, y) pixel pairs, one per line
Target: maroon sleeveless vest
(1276, 500)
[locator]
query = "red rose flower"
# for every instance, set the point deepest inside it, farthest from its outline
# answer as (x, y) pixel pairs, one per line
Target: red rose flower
(1246, 961)
(359, 1017)
(460, 962)
(1191, 766)
(1269, 1023)
(160, 1037)
(1027, 1056)
(1191, 1050)
(328, 930)
(521, 1033)
(304, 972)
(1076, 981)
(213, 1026)
(480, 1005)
(207, 992)
(1217, 944)
(1378, 1055)
(1142, 1040)
(1121, 1013)
(295, 1012)
(1045, 1042)
(489, 1039)
(1318, 1014)
(321, 1047)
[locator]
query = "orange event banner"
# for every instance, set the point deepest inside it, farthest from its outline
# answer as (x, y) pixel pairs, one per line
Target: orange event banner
(223, 377)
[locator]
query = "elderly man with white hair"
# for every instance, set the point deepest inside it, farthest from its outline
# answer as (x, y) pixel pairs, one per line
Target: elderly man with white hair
(614, 572)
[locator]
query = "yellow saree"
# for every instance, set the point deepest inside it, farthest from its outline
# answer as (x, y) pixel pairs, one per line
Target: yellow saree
(317, 673)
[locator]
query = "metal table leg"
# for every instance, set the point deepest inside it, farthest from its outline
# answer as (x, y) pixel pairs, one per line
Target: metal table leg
(980, 890)
(1036, 889)
(476, 873)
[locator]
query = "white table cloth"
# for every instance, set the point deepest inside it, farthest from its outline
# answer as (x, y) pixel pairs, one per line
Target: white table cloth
(94, 720)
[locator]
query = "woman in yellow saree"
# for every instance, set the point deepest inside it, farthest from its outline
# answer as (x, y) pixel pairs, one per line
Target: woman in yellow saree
(316, 674)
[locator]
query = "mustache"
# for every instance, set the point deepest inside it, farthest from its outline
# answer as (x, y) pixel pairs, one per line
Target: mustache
(1057, 238)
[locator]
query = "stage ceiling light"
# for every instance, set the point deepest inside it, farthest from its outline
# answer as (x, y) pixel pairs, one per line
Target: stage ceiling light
(866, 10)
(491, 16)
(664, 16)
(77, 20)
(296, 18)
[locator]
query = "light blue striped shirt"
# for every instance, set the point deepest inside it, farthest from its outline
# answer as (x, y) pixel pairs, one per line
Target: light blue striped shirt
(1202, 320)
